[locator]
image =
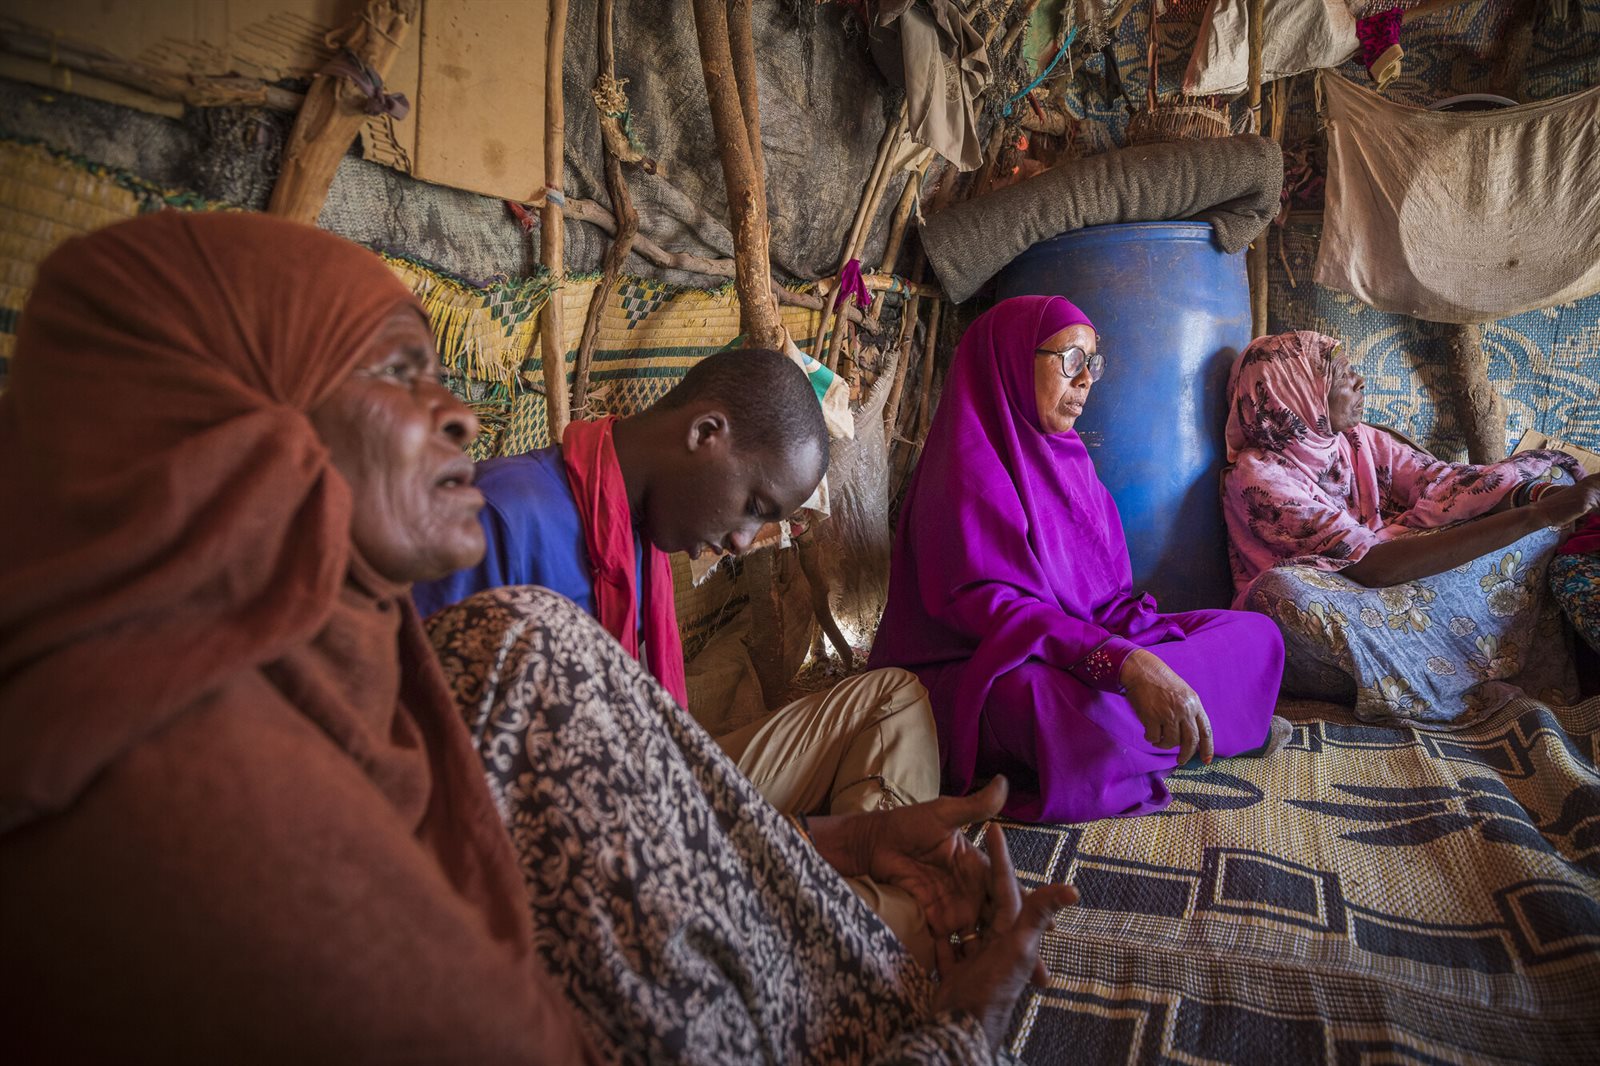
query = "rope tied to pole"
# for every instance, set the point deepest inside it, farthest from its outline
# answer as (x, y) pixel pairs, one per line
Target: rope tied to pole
(353, 69)
(1066, 45)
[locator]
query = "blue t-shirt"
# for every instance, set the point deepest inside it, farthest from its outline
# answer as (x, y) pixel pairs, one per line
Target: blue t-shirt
(533, 532)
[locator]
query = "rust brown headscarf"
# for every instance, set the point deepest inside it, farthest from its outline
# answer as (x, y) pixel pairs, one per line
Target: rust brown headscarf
(177, 542)
(175, 520)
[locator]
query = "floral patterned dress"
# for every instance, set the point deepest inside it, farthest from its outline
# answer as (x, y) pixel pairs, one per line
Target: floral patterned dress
(1437, 651)
(1575, 581)
(685, 918)
(1302, 502)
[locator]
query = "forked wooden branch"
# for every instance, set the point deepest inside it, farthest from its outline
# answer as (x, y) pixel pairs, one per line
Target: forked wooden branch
(731, 115)
(332, 113)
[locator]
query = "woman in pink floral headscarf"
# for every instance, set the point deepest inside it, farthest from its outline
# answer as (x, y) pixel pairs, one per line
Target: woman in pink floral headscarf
(1322, 512)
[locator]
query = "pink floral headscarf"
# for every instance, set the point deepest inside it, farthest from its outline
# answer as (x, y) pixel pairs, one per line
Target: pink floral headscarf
(1278, 403)
(1299, 492)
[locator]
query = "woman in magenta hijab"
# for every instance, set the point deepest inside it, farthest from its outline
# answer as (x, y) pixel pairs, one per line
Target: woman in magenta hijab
(1011, 597)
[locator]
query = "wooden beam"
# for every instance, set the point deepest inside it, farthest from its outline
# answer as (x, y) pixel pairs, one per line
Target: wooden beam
(333, 110)
(596, 215)
(552, 228)
(196, 90)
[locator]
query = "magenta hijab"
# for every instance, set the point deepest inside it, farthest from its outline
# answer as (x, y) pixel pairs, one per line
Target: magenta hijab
(1009, 548)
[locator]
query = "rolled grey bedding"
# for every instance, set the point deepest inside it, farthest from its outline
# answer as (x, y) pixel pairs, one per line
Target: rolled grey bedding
(1232, 182)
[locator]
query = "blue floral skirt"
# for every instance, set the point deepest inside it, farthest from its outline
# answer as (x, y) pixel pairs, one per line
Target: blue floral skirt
(1443, 650)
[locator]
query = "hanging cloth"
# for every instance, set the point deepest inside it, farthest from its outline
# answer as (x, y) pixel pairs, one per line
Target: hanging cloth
(590, 455)
(1299, 35)
(933, 51)
(1461, 216)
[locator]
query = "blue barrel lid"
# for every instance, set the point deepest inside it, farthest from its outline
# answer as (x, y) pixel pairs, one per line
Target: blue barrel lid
(1123, 232)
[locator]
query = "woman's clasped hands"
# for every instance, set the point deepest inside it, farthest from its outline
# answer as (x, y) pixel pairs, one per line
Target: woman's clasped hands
(986, 930)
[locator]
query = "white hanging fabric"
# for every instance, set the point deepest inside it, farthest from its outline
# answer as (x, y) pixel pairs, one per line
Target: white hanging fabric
(1460, 216)
(1299, 35)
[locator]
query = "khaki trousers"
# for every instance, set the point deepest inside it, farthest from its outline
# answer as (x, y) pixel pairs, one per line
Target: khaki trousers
(866, 744)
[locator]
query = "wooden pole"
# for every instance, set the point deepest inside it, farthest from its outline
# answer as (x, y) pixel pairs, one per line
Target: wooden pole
(922, 414)
(871, 192)
(741, 45)
(552, 225)
(1480, 410)
(627, 226)
(902, 217)
(903, 343)
(1257, 27)
(731, 116)
(891, 252)
(866, 210)
(333, 111)
(1256, 257)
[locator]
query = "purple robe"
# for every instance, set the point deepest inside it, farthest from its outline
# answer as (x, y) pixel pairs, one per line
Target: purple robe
(1011, 597)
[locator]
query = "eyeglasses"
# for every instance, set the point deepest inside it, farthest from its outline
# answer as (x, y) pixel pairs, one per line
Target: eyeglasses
(1074, 359)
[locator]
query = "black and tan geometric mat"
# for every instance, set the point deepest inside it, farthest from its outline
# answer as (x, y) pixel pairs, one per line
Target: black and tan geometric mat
(1371, 895)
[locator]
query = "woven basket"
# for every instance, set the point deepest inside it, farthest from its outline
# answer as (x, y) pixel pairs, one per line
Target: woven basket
(1180, 118)
(1186, 120)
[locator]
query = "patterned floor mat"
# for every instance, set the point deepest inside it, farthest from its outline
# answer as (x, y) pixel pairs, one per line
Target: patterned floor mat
(1370, 895)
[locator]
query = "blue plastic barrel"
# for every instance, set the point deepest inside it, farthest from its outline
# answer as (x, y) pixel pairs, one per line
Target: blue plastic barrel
(1173, 310)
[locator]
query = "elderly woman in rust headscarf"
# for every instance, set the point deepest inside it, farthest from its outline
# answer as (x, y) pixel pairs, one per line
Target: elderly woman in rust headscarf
(240, 819)
(1323, 513)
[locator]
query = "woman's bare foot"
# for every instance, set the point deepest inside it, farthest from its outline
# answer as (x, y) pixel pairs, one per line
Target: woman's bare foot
(1278, 734)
